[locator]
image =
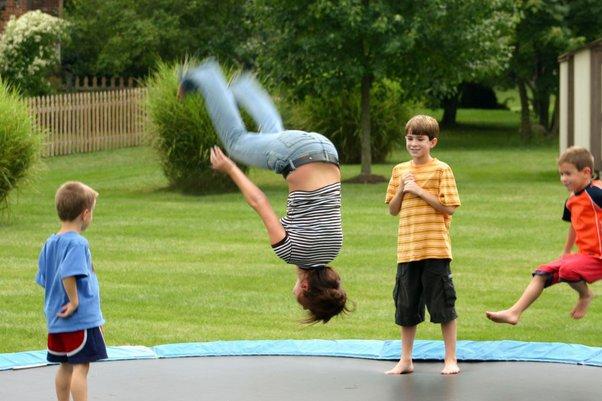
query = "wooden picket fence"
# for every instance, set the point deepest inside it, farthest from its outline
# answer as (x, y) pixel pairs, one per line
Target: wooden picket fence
(90, 121)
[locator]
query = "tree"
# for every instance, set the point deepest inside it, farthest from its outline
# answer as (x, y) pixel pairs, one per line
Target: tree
(546, 29)
(322, 46)
(470, 42)
(128, 37)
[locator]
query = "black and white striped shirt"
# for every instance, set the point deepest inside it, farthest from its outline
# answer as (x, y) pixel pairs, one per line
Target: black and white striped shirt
(314, 234)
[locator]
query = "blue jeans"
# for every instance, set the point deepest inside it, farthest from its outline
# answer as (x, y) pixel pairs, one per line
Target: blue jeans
(273, 148)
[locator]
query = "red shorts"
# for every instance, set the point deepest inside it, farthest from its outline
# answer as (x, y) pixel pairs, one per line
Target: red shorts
(572, 268)
(74, 347)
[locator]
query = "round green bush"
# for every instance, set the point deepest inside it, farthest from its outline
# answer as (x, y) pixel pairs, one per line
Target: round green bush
(20, 142)
(182, 133)
(338, 118)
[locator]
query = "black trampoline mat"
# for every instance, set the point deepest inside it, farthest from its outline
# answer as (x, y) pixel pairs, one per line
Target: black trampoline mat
(284, 378)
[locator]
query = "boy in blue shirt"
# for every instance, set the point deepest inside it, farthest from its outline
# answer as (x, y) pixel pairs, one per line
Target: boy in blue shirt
(71, 293)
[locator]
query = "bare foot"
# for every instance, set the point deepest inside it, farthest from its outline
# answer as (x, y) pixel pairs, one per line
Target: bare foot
(503, 316)
(581, 308)
(402, 368)
(450, 368)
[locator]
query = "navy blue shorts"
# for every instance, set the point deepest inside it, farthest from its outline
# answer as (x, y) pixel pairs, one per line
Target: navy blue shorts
(82, 346)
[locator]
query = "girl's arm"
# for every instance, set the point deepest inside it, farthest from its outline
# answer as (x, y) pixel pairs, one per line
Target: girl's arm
(253, 195)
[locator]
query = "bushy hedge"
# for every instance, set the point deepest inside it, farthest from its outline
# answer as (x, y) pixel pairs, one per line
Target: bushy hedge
(28, 51)
(182, 133)
(338, 118)
(20, 142)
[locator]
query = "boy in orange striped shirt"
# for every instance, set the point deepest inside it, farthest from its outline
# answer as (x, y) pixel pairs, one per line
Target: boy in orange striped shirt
(423, 193)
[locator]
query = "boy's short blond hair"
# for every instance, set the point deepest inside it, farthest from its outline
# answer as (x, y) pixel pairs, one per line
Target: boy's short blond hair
(423, 125)
(578, 157)
(72, 198)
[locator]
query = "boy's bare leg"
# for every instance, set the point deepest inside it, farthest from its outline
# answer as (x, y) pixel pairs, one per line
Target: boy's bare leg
(531, 293)
(79, 382)
(62, 381)
(449, 330)
(405, 365)
(585, 298)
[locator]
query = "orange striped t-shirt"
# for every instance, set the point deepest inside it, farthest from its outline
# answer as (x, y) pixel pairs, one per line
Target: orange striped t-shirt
(424, 232)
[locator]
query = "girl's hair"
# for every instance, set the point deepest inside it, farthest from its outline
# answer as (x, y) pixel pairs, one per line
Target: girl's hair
(578, 157)
(72, 198)
(422, 125)
(324, 297)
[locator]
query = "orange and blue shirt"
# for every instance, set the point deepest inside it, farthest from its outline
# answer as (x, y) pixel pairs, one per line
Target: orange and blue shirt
(423, 232)
(583, 210)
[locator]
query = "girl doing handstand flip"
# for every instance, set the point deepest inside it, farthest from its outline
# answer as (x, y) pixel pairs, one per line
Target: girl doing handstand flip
(310, 235)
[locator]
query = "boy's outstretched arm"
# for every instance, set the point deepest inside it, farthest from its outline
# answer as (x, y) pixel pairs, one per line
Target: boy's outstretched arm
(253, 195)
(570, 241)
(70, 285)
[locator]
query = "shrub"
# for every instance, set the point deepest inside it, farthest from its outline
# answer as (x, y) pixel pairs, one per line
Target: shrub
(338, 118)
(20, 142)
(182, 133)
(28, 51)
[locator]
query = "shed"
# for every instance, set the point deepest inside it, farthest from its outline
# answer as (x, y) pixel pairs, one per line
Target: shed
(581, 99)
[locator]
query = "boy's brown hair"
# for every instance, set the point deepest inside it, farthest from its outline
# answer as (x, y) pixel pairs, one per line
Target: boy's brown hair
(72, 198)
(423, 125)
(578, 157)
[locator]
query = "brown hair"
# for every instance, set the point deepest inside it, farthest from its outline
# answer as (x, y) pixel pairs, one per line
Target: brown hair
(324, 297)
(578, 157)
(423, 125)
(72, 198)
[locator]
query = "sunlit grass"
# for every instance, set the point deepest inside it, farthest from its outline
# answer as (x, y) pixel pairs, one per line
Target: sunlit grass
(179, 268)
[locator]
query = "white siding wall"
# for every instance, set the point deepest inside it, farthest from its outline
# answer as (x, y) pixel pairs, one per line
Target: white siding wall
(582, 98)
(564, 105)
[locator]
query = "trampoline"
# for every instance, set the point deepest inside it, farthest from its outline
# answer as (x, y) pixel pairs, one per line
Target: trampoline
(321, 370)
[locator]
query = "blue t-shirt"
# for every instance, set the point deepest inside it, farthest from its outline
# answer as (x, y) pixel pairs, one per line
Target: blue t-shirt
(68, 255)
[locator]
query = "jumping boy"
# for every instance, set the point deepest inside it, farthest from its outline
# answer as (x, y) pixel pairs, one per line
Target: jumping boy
(423, 193)
(71, 293)
(583, 209)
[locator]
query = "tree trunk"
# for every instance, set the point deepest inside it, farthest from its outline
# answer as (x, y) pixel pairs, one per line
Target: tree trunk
(525, 120)
(365, 125)
(450, 109)
(555, 128)
(543, 110)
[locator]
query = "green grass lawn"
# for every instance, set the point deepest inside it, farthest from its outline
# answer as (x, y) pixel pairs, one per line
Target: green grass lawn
(176, 268)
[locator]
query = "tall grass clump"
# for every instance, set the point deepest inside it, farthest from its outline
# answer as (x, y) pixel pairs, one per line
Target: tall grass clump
(20, 142)
(182, 134)
(338, 118)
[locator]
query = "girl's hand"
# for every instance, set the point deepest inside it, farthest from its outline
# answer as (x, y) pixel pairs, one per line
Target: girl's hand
(219, 161)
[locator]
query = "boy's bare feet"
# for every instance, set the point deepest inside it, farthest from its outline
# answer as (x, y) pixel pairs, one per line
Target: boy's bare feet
(402, 367)
(581, 308)
(503, 316)
(450, 368)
